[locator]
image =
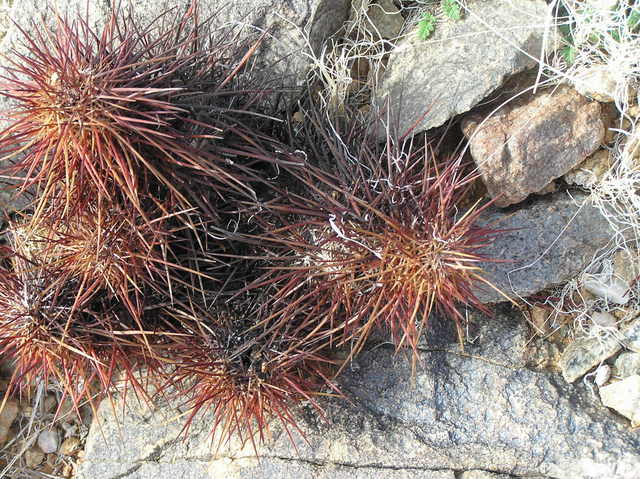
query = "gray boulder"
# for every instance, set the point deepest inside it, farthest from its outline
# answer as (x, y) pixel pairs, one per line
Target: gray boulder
(545, 244)
(462, 412)
(463, 62)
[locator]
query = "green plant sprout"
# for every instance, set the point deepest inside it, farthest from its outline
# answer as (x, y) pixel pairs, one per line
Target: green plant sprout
(427, 25)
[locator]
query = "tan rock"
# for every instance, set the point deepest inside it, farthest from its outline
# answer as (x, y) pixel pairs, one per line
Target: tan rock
(527, 144)
(7, 416)
(591, 171)
(598, 83)
(69, 446)
(624, 397)
(33, 457)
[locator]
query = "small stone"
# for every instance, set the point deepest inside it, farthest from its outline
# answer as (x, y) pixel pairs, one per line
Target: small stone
(48, 441)
(631, 336)
(298, 117)
(624, 397)
(625, 265)
(634, 111)
(7, 416)
(627, 364)
(608, 288)
(603, 374)
(584, 354)
(70, 445)
(598, 83)
(591, 171)
(385, 19)
(540, 320)
(604, 320)
(33, 457)
(49, 404)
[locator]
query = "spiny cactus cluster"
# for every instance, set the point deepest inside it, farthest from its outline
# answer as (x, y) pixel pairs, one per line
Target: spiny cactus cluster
(173, 235)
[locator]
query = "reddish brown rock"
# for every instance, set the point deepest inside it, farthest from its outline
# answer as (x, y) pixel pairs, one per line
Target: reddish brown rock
(527, 144)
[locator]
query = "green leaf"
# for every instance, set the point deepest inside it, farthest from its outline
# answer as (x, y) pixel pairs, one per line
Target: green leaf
(569, 54)
(451, 8)
(633, 21)
(426, 26)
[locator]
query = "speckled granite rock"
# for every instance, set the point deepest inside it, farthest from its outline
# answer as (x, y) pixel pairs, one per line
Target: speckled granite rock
(547, 243)
(463, 62)
(462, 412)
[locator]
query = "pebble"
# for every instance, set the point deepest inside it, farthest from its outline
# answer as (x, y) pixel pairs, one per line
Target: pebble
(627, 364)
(603, 374)
(624, 397)
(70, 445)
(48, 441)
(604, 320)
(7, 416)
(583, 354)
(33, 457)
(598, 83)
(609, 289)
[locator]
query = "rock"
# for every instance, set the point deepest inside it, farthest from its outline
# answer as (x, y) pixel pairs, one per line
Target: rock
(48, 441)
(460, 412)
(584, 354)
(530, 142)
(489, 475)
(627, 364)
(591, 171)
(604, 320)
(624, 397)
(462, 62)
(7, 415)
(626, 265)
(70, 446)
(283, 59)
(544, 244)
(611, 289)
(384, 19)
(602, 375)
(631, 336)
(597, 82)
(33, 457)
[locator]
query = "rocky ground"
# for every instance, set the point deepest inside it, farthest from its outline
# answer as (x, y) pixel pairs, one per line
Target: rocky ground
(549, 387)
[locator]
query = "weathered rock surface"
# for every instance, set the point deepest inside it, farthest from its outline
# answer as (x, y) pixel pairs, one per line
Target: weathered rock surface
(384, 19)
(584, 354)
(624, 397)
(7, 415)
(462, 413)
(627, 364)
(462, 62)
(590, 171)
(545, 244)
(597, 82)
(527, 144)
